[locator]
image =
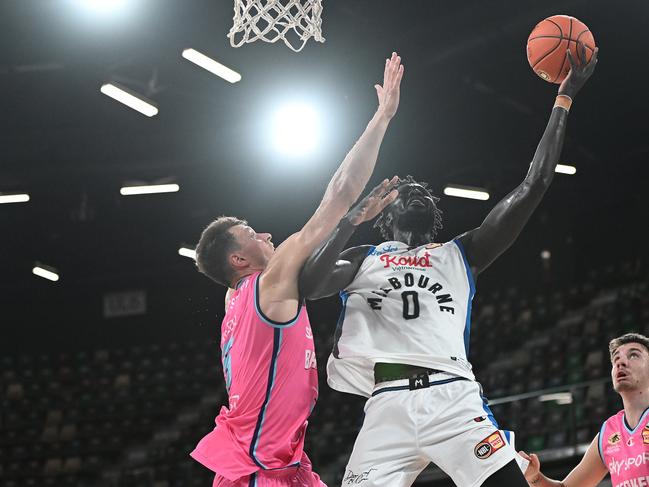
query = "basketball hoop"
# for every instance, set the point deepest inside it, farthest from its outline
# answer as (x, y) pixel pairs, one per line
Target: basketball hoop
(293, 21)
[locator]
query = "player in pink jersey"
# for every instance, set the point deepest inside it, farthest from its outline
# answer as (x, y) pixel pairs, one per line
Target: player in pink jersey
(621, 447)
(266, 342)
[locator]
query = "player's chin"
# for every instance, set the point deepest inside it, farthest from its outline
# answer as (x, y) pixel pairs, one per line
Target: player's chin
(416, 218)
(622, 385)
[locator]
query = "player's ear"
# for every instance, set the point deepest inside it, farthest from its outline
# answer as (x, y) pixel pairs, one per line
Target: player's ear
(237, 261)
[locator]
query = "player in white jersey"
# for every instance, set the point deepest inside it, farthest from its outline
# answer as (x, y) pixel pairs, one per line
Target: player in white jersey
(403, 335)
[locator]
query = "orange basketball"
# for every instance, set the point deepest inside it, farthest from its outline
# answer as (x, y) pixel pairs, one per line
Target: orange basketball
(549, 41)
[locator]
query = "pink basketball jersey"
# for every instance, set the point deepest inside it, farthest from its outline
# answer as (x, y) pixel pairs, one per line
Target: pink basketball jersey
(625, 451)
(272, 382)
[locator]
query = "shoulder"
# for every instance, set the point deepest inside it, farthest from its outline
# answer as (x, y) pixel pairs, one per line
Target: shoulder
(356, 253)
(619, 416)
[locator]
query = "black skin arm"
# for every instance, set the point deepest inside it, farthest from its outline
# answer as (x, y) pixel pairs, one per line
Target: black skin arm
(329, 269)
(505, 221)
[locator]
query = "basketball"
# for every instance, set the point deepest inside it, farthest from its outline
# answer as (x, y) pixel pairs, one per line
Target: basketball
(549, 41)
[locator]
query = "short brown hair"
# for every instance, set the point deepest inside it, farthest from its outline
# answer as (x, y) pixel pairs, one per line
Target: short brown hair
(627, 338)
(215, 244)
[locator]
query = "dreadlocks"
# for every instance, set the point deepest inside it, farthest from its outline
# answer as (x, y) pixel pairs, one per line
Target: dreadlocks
(381, 222)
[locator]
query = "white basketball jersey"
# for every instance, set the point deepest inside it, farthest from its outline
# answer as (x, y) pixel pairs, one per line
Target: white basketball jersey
(406, 306)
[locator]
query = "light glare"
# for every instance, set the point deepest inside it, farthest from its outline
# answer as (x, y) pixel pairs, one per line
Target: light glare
(295, 129)
(46, 274)
(466, 192)
(103, 5)
(129, 100)
(565, 169)
(149, 189)
(211, 65)
(14, 198)
(559, 397)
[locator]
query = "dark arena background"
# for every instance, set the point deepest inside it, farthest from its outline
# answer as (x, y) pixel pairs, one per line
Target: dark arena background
(111, 374)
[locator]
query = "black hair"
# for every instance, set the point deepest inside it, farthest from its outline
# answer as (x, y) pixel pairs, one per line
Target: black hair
(385, 227)
(215, 244)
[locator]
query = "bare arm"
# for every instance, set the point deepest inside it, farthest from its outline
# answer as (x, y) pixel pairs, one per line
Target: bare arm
(588, 473)
(329, 270)
(505, 221)
(279, 294)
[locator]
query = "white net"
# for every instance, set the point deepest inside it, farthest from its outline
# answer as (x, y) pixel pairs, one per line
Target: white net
(293, 21)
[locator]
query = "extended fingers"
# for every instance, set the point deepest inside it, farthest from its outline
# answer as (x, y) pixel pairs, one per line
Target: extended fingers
(380, 188)
(391, 70)
(570, 59)
(390, 197)
(593, 58)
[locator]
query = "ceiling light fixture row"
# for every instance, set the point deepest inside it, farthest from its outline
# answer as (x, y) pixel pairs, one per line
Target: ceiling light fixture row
(147, 107)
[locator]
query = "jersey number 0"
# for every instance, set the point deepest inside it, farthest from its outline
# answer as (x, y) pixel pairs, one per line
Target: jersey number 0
(410, 304)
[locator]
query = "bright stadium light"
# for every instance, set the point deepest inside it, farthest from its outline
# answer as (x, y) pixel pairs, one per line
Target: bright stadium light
(103, 5)
(546, 254)
(466, 192)
(45, 273)
(565, 169)
(211, 65)
(149, 189)
(295, 129)
(128, 99)
(14, 198)
(187, 252)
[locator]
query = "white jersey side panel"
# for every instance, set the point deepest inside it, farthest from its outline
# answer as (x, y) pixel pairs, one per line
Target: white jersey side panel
(407, 306)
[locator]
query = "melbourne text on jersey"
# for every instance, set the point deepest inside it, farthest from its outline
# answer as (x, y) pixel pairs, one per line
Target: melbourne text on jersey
(406, 286)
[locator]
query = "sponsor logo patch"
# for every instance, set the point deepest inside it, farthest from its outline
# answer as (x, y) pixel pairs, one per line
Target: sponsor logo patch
(490, 445)
(406, 261)
(419, 382)
(614, 438)
(645, 437)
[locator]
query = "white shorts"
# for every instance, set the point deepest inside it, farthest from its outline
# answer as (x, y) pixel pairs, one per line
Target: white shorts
(446, 421)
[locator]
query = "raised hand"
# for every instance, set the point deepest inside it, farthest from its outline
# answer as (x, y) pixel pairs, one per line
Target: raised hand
(580, 71)
(389, 93)
(534, 468)
(374, 203)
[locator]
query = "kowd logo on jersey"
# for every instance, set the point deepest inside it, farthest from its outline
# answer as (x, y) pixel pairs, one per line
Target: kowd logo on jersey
(406, 261)
(489, 445)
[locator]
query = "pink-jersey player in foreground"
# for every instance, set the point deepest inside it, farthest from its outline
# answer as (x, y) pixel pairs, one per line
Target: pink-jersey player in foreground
(621, 447)
(266, 341)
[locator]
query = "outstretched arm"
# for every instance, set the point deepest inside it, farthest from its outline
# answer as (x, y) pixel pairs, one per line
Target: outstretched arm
(279, 295)
(588, 473)
(504, 223)
(329, 270)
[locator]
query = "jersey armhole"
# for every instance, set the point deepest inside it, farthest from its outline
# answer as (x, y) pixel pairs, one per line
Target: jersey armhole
(599, 443)
(469, 273)
(266, 319)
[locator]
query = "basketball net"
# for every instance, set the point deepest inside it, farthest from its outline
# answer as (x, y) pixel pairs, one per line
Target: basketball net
(293, 21)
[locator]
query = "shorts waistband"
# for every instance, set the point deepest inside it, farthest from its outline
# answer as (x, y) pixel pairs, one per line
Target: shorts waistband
(414, 383)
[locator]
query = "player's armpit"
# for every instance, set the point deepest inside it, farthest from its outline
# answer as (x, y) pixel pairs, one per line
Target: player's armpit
(278, 290)
(590, 471)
